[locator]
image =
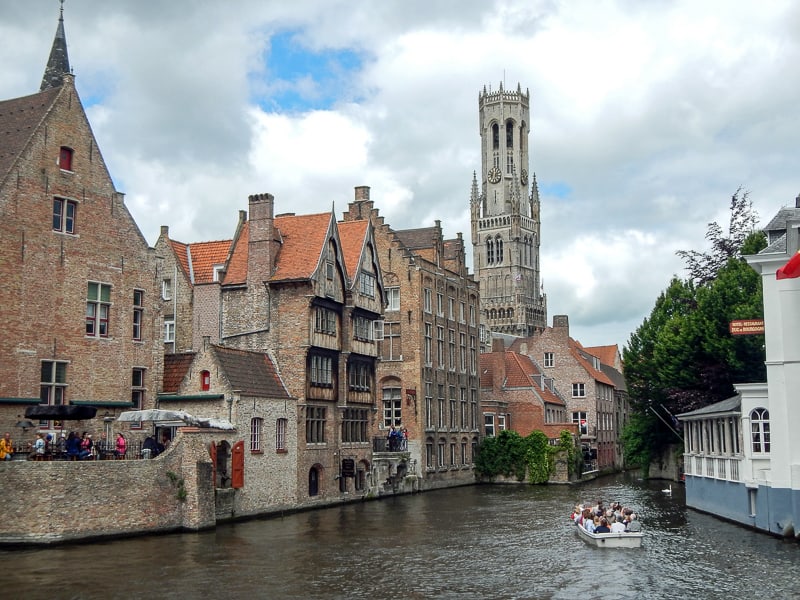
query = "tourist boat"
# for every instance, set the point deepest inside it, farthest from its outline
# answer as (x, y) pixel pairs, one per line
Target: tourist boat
(611, 540)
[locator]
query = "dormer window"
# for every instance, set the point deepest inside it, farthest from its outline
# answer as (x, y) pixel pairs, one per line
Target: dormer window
(218, 272)
(65, 159)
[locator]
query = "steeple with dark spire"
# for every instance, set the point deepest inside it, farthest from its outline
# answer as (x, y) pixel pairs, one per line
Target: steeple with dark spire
(58, 63)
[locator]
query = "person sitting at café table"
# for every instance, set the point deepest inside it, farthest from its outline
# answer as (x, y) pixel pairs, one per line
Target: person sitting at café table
(6, 447)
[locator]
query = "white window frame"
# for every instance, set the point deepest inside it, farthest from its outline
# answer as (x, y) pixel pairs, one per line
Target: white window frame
(166, 289)
(579, 390)
(393, 298)
(169, 331)
(549, 360)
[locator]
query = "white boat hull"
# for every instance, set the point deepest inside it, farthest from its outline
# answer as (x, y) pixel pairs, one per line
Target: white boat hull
(611, 540)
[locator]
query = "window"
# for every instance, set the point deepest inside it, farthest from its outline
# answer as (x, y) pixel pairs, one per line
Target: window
(441, 415)
(759, 429)
(440, 305)
(169, 330)
(452, 349)
(429, 455)
(473, 355)
(53, 382)
(453, 411)
(321, 371)
(329, 271)
(137, 393)
(428, 404)
(464, 412)
(473, 413)
(427, 301)
(489, 251)
(64, 215)
(166, 289)
(325, 321)
(366, 284)
(362, 329)
(205, 380)
(462, 338)
(315, 424)
(578, 390)
(501, 422)
(65, 158)
(451, 309)
(464, 453)
(217, 272)
(453, 455)
(440, 454)
(428, 344)
(392, 405)
(138, 314)
(393, 298)
(488, 425)
(98, 305)
(462, 313)
(549, 359)
(499, 248)
(391, 348)
(280, 435)
(472, 315)
(360, 376)
(354, 425)
(256, 427)
(579, 418)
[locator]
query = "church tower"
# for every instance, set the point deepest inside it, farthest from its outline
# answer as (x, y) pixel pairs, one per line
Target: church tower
(505, 219)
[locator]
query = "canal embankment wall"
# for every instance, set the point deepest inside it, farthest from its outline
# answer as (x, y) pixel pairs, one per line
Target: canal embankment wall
(58, 501)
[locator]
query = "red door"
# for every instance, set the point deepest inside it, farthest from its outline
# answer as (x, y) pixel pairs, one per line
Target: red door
(237, 465)
(212, 450)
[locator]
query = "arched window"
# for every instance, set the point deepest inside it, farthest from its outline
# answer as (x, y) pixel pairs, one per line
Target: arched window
(205, 381)
(489, 252)
(280, 435)
(495, 137)
(759, 430)
(510, 313)
(499, 250)
(501, 313)
(509, 134)
(256, 427)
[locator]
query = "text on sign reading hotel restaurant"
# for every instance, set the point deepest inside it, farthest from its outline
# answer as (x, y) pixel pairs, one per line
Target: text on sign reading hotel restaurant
(746, 326)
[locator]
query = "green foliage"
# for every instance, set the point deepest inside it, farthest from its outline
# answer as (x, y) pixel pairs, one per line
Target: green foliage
(683, 357)
(511, 455)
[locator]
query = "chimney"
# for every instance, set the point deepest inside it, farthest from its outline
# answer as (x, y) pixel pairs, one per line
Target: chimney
(561, 326)
(165, 231)
(261, 233)
(361, 207)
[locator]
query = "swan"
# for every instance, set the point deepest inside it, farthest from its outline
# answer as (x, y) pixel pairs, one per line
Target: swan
(668, 490)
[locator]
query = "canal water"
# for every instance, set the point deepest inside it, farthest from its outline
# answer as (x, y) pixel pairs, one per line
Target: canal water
(493, 542)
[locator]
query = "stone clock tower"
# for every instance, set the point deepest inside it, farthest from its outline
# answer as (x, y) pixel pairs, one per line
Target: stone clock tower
(505, 219)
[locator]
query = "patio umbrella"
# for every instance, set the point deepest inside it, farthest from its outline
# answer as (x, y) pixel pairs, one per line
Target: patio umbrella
(61, 412)
(158, 416)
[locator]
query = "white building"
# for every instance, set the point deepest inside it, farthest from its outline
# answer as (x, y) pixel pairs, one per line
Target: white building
(742, 455)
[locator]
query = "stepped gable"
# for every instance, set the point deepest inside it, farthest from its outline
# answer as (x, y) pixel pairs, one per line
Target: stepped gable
(352, 235)
(303, 242)
(416, 239)
(176, 366)
(251, 373)
(19, 120)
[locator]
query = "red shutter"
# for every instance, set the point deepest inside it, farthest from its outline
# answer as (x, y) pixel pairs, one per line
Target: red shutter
(237, 465)
(212, 450)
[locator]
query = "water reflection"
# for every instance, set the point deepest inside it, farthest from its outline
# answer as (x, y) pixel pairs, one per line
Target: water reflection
(472, 542)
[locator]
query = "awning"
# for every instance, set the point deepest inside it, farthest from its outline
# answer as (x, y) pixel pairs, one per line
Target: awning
(172, 418)
(61, 412)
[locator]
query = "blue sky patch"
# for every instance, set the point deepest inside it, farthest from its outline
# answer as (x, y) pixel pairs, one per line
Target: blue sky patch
(300, 79)
(559, 189)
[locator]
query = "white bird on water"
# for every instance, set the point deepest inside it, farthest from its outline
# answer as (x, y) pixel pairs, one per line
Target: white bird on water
(668, 491)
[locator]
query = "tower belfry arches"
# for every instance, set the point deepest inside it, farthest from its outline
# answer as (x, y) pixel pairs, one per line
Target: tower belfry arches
(505, 218)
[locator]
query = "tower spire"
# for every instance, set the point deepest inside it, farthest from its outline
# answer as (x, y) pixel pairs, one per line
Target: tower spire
(58, 63)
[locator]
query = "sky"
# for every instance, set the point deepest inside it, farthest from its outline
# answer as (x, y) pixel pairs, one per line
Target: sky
(646, 117)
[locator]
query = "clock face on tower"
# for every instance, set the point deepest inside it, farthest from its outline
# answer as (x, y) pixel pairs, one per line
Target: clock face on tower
(524, 177)
(494, 175)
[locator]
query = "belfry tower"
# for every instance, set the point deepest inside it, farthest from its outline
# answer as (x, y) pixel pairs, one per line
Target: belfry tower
(505, 219)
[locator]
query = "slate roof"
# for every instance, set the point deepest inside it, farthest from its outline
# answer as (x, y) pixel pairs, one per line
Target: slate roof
(303, 242)
(251, 373)
(725, 406)
(58, 62)
(417, 238)
(175, 368)
(19, 119)
(778, 222)
(352, 235)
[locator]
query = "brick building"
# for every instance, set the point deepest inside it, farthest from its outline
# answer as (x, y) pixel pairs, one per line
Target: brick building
(78, 309)
(428, 373)
(516, 395)
(596, 402)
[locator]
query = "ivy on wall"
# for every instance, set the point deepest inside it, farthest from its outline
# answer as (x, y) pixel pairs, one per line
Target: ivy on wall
(511, 455)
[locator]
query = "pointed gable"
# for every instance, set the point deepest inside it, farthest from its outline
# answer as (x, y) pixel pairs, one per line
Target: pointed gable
(303, 241)
(353, 236)
(204, 256)
(251, 373)
(176, 366)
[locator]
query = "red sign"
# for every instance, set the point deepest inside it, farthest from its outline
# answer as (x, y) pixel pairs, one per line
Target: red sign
(747, 326)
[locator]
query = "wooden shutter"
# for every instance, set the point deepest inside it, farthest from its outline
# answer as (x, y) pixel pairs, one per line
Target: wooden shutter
(212, 450)
(237, 465)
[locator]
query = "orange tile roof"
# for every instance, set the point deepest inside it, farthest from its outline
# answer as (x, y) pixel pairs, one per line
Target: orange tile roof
(597, 375)
(521, 372)
(303, 242)
(204, 255)
(181, 253)
(175, 368)
(352, 234)
(606, 354)
(237, 267)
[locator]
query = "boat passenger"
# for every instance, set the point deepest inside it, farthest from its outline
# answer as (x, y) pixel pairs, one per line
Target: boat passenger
(633, 525)
(603, 527)
(617, 526)
(591, 524)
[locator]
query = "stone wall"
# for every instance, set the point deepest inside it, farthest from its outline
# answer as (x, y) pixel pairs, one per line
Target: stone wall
(46, 502)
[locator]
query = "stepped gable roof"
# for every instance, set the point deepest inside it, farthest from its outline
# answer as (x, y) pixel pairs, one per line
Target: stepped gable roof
(251, 373)
(58, 62)
(303, 242)
(414, 239)
(453, 249)
(578, 352)
(236, 274)
(198, 258)
(176, 366)
(353, 236)
(19, 120)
